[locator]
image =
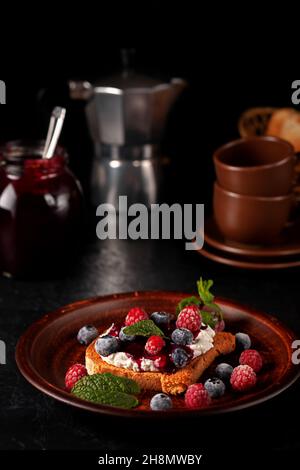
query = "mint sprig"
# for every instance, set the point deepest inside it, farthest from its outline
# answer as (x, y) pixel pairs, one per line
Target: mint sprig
(107, 389)
(143, 328)
(204, 291)
(206, 298)
(208, 318)
(118, 399)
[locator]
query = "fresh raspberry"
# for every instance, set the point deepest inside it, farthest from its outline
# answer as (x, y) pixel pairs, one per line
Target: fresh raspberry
(74, 373)
(160, 361)
(154, 345)
(189, 318)
(134, 315)
(242, 378)
(252, 358)
(197, 396)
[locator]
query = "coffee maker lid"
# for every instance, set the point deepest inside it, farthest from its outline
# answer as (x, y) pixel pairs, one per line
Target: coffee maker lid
(128, 79)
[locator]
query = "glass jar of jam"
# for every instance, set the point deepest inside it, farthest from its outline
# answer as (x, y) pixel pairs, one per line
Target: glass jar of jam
(41, 211)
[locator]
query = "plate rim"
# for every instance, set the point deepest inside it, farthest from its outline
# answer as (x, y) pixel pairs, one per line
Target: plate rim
(256, 252)
(37, 381)
(243, 264)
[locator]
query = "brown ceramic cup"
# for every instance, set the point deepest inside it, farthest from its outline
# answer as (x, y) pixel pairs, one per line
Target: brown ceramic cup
(256, 166)
(250, 219)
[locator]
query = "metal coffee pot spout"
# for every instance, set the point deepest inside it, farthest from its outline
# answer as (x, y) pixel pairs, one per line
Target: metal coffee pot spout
(126, 116)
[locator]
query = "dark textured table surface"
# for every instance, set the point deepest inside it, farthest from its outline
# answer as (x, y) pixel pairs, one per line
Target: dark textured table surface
(30, 420)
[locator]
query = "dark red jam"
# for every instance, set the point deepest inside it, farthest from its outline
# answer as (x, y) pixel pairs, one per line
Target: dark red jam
(162, 361)
(41, 211)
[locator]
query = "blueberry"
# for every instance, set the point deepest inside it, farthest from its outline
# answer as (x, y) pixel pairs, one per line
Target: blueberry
(87, 334)
(160, 401)
(215, 387)
(179, 357)
(182, 336)
(161, 318)
(224, 371)
(124, 337)
(243, 341)
(107, 345)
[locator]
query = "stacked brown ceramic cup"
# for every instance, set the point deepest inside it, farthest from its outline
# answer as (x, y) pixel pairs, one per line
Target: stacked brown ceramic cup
(253, 193)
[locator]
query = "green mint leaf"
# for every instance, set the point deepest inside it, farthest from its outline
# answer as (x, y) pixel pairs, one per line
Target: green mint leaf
(208, 318)
(204, 291)
(107, 382)
(187, 301)
(212, 317)
(118, 384)
(143, 328)
(107, 389)
(118, 399)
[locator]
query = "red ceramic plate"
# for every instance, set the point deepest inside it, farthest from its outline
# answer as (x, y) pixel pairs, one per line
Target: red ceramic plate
(49, 347)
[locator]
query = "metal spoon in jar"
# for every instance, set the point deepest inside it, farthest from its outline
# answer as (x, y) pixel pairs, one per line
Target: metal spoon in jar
(54, 130)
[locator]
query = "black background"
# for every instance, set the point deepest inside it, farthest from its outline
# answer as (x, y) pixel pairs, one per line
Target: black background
(205, 117)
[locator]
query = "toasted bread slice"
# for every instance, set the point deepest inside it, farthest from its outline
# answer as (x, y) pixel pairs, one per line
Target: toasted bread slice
(171, 383)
